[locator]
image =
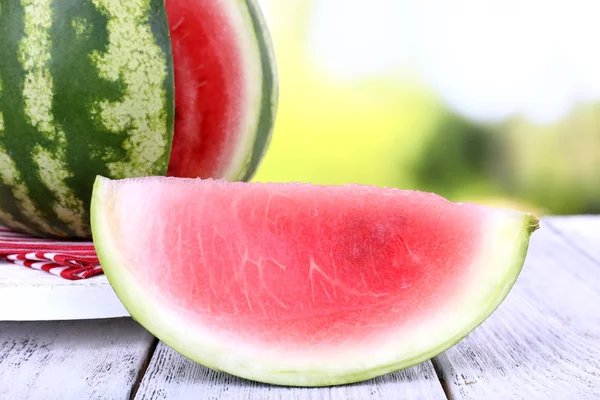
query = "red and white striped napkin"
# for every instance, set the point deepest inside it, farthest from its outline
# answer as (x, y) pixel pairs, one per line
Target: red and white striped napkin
(69, 260)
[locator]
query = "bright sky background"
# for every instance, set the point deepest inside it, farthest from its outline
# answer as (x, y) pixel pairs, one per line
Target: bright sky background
(488, 59)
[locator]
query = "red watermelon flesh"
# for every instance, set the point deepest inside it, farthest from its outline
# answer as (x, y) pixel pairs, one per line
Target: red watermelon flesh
(208, 86)
(349, 281)
(218, 86)
(309, 261)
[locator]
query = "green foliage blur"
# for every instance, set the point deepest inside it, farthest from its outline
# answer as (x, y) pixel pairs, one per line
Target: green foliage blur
(391, 130)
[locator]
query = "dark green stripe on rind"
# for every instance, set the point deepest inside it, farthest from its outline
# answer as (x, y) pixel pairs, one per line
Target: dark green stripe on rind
(69, 133)
(270, 93)
(160, 29)
(22, 194)
(77, 87)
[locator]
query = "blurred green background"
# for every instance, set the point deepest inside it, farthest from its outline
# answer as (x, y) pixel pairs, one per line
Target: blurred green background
(496, 102)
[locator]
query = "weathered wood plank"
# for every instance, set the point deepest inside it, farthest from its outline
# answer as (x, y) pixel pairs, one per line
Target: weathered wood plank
(583, 233)
(71, 360)
(544, 341)
(172, 376)
(37, 295)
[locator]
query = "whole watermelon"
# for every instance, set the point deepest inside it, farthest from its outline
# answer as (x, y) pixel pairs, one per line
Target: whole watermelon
(126, 88)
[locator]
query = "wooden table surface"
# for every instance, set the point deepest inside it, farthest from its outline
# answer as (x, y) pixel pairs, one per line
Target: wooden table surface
(542, 343)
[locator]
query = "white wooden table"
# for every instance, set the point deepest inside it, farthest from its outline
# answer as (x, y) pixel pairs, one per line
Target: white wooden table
(542, 343)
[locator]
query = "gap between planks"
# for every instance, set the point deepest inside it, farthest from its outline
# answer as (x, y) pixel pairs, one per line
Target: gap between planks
(146, 363)
(172, 376)
(60, 360)
(441, 378)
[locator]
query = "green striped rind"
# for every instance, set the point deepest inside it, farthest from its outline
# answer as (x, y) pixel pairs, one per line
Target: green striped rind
(79, 97)
(258, 136)
(492, 274)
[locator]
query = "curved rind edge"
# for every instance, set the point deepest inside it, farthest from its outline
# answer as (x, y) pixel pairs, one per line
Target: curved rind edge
(205, 352)
(270, 94)
(258, 143)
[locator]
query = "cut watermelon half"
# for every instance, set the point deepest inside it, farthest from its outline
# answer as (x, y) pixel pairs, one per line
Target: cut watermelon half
(299, 284)
(225, 88)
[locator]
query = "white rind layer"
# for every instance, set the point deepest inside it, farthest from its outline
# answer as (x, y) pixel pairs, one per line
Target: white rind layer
(490, 277)
(239, 17)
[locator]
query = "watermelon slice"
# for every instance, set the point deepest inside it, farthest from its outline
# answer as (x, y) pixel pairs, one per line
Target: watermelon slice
(299, 284)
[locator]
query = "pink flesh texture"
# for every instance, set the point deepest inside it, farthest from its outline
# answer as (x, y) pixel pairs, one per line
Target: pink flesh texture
(209, 89)
(293, 263)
